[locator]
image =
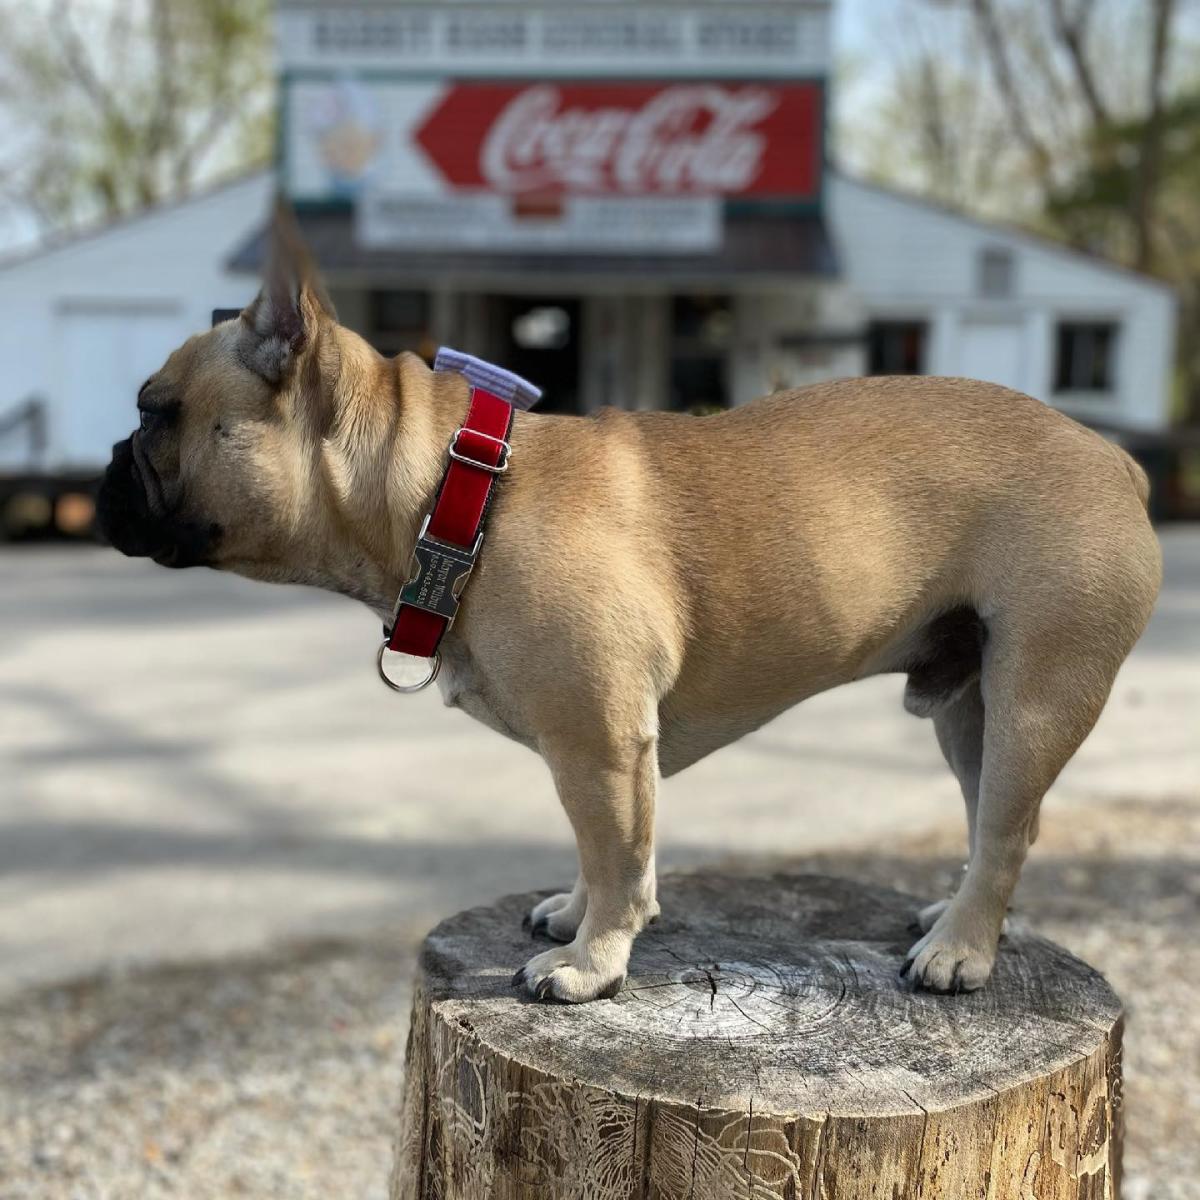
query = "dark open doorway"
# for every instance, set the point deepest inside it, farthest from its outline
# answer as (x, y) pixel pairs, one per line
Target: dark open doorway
(539, 338)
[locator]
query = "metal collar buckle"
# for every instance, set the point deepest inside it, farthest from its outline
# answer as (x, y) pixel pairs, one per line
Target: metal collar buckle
(437, 574)
(498, 469)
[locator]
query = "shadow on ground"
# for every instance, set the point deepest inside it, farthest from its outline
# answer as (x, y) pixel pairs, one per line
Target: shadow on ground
(279, 1074)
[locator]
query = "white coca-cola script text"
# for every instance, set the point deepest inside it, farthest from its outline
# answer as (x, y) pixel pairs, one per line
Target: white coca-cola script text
(694, 138)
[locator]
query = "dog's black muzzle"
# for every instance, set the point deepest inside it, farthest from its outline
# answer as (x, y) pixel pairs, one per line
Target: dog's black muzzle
(129, 523)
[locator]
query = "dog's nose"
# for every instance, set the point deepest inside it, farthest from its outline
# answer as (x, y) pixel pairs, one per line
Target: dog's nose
(121, 512)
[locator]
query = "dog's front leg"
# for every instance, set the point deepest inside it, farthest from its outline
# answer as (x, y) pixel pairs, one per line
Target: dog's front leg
(608, 792)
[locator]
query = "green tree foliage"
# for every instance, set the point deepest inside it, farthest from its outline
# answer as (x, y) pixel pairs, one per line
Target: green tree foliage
(1079, 117)
(111, 105)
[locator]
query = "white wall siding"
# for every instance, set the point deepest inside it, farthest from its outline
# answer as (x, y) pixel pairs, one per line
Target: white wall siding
(82, 324)
(910, 260)
(793, 337)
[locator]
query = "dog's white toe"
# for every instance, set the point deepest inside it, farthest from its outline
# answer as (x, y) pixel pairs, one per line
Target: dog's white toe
(555, 975)
(557, 917)
(942, 962)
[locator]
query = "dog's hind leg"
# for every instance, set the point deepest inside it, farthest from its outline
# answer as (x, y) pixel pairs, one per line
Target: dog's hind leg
(959, 728)
(607, 786)
(1042, 692)
(559, 916)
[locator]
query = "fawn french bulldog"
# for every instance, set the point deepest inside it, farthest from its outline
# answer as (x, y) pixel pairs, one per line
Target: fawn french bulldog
(655, 585)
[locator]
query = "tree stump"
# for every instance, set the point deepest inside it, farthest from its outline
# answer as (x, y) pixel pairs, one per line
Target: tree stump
(762, 1047)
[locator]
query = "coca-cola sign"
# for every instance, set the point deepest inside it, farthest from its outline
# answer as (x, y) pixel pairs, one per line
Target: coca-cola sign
(701, 139)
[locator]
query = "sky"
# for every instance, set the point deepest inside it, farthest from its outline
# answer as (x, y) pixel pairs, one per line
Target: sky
(852, 23)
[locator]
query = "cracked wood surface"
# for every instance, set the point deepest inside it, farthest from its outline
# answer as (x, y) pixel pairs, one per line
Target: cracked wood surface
(762, 1047)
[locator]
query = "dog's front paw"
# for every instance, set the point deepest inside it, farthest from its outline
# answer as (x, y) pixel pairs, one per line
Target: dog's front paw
(558, 917)
(943, 962)
(558, 975)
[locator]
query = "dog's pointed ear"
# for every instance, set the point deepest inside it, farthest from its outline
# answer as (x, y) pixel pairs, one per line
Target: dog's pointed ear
(281, 322)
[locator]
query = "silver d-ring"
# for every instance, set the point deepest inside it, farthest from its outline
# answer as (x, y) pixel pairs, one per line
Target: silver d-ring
(408, 689)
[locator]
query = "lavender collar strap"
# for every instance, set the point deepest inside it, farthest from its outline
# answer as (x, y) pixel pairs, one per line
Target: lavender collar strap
(520, 393)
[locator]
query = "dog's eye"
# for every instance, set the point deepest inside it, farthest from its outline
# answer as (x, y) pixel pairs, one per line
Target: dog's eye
(162, 415)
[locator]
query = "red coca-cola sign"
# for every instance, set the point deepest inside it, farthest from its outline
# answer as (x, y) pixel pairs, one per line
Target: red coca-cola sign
(728, 139)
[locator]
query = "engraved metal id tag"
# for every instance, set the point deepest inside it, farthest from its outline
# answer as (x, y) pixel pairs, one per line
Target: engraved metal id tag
(440, 573)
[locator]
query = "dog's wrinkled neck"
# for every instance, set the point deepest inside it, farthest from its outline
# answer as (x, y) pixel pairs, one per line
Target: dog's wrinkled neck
(428, 406)
(381, 462)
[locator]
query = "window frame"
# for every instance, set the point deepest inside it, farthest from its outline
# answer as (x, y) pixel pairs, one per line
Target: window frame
(922, 323)
(996, 264)
(690, 352)
(1065, 384)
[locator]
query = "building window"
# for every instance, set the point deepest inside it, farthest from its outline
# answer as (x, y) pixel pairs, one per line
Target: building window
(997, 272)
(1085, 356)
(701, 334)
(896, 347)
(400, 321)
(540, 339)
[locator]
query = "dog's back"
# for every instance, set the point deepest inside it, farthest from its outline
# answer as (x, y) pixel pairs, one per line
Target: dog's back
(887, 499)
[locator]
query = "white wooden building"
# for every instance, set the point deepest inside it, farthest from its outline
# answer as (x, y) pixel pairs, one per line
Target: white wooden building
(916, 288)
(627, 202)
(993, 302)
(84, 321)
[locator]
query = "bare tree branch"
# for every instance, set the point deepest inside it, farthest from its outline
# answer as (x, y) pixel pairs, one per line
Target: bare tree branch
(997, 50)
(190, 153)
(1150, 158)
(124, 104)
(74, 56)
(1071, 30)
(162, 123)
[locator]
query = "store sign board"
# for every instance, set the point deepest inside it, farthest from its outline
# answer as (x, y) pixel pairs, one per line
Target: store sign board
(749, 39)
(484, 222)
(711, 139)
(670, 139)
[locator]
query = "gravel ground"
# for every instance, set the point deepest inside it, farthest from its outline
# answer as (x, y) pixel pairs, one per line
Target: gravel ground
(1120, 887)
(278, 1075)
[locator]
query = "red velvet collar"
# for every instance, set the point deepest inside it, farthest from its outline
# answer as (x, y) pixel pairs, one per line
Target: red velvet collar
(451, 535)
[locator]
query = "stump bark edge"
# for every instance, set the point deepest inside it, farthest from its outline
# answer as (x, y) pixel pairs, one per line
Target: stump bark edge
(762, 1047)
